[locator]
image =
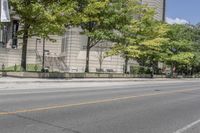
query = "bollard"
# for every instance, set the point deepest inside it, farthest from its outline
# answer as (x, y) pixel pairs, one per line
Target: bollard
(36, 68)
(15, 68)
(3, 67)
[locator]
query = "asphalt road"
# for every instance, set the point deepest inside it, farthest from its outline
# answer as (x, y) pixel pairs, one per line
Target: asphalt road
(110, 107)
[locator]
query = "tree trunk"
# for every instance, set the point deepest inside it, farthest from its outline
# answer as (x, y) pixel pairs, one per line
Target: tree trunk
(24, 47)
(87, 56)
(126, 65)
(101, 58)
(100, 66)
(192, 71)
(152, 70)
(155, 67)
(172, 70)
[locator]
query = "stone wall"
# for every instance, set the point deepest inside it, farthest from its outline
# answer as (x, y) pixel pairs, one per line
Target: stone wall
(10, 57)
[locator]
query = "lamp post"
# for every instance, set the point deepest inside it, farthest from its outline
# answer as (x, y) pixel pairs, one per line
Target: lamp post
(43, 56)
(174, 50)
(37, 41)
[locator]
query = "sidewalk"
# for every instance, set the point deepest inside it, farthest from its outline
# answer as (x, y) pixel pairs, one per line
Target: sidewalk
(36, 80)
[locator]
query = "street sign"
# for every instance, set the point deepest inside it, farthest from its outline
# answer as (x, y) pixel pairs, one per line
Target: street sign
(5, 13)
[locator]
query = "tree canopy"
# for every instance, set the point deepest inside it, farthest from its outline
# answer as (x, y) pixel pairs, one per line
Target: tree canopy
(128, 26)
(42, 18)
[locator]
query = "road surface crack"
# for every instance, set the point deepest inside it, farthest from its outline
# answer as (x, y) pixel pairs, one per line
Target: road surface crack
(191, 93)
(64, 129)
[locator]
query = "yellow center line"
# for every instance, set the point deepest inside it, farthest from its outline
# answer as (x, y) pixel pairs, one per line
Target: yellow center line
(92, 102)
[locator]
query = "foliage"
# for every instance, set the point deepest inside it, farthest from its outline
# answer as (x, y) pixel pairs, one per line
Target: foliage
(126, 24)
(142, 37)
(103, 19)
(179, 48)
(139, 70)
(17, 68)
(41, 18)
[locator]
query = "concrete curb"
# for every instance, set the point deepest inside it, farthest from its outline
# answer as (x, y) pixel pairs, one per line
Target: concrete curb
(22, 81)
(59, 75)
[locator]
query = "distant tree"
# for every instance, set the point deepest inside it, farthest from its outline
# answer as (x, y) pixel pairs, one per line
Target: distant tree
(101, 54)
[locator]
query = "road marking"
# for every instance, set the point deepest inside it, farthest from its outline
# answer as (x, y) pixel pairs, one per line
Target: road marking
(93, 102)
(72, 90)
(68, 90)
(182, 130)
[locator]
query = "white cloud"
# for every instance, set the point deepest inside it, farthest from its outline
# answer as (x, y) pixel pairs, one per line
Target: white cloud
(176, 21)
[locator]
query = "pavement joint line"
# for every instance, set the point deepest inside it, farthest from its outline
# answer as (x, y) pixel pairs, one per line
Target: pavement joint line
(100, 81)
(187, 127)
(42, 91)
(93, 102)
(90, 80)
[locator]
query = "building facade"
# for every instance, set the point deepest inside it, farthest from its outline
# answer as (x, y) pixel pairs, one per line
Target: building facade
(159, 6)
(68, 53)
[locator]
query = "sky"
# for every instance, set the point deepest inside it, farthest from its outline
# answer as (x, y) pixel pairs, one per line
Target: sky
(183, 11)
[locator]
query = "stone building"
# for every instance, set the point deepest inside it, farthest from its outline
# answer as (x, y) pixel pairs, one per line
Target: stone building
(68, 53)
(159, 6)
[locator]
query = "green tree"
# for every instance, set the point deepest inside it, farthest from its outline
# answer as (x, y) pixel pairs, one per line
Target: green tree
(93, 23)
(127, 14)
(179, 49)
(140, 38)
(195, 35)
(41, 18)
(150, 47)
(102, 20)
